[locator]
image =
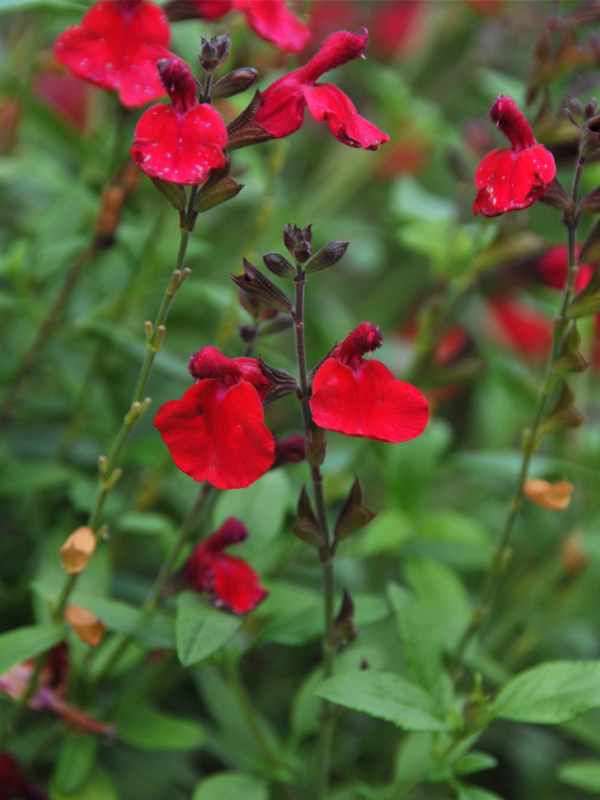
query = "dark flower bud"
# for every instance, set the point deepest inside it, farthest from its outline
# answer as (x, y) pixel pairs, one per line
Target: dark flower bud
(226, 189)
(214, 52)
(244, 130)
(261, 288)
(306, 526)
(564, 414)
(353, 516)
(281, 382)
(570, 358)
(234, 82)
(591, 108)
(290, 449)
(280, 322)
(327, 256)
(344, 629)
(279, 265)
(298, 242)
(556, 195)
(575, 111)
(247, 332)
(591, 137)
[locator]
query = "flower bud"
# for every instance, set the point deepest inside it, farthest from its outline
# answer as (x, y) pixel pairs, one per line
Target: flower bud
(261, 288)
(306, 526)
(564, 415)
(575, 111)
(280, 322)
(344, 629)
(225, 189)
(85, 625)
(353, 515)
(591, 108)
(327, 256)
(282, 383)
(279, 265)
(244, 131)
(555, 496)
(570, 358)
(174, 193)
(214, 52)
(587, 301)
(77, 550)
(290, 449)
(298, 242)
(235, 82)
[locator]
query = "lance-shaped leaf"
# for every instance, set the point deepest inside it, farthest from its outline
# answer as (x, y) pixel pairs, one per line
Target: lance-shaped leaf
(344, 629)
(591, 247)
(587, 302)
(226, 189)
(327, 256)
(306, 526)
(569, 358)
(173, 192)
(564, 415)
(354, 515)
(261, 288)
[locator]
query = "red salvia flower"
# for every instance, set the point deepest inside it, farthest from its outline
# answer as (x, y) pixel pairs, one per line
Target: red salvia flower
(362, 398)
(552, 268)
(512, 177)
(282, 104)
(519, 327)
(14, 784)
(116, 46)
(229, 582)
(183, 141)
(269, 19)
(216, 431)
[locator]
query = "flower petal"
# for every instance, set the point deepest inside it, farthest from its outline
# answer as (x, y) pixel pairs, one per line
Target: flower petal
(367, 401)
(273, 21)
(329, 104)
(117, 47)
(182, 148)
(217, 433)
(282, 106)
(235, 585)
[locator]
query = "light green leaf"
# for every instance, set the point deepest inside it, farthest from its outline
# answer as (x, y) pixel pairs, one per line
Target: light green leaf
(23, 643)
(550, 693)
(584, 775)
(387, 533)
(473, 793)
(455, 538)
(148, 729)
(386, 696)
(234, 785)
(474, 762)
(75, 760)
(201, 630)
(98, 786)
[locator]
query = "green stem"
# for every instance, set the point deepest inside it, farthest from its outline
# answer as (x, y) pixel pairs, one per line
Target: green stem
(407, 788)
(531, 442)
(327, 551)
(109, 473)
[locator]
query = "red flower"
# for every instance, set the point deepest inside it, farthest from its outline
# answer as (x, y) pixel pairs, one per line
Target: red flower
(229, 582)
(512, 177)
(282, 104)
(181, 142)
(520, 328)
(14, 784)
(269, 19)
(363, 398)
(552, 268)
(216, 431)
(117, 46)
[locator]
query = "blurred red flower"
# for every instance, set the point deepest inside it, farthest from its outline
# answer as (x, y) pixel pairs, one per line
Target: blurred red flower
(14, 784)
(362, 398)
(216, 431)
(512, 177)
(269, 19)
(181, 142)
(116, 46)
(519, 327)
(282, 104)
(229, 582)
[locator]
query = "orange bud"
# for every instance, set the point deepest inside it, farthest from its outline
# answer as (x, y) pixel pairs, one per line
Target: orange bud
(573, 556)
(554, 496)
(85, 625)
(77, 550)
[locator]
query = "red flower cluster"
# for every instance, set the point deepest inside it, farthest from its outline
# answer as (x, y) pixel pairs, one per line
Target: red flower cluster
(116, 46)
(362, 398)
(216, 431)
(14, 784)
(282, 104)
(229, 582)
(512, 177)
(181, 142)
(269, 19)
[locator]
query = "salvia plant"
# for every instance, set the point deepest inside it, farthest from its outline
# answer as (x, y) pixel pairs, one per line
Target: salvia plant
(242, 555)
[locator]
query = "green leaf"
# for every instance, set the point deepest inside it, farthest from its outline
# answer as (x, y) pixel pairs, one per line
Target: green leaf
(455, 538)
(19, 645)
(75, 761)
(550, 693)
(60, 6)
(386, 696)
(148, 729)
(584, 775)
(388, 532)
(474, 762)
(200, 629)
(234, 785)
(98, 786)
(473, 793)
